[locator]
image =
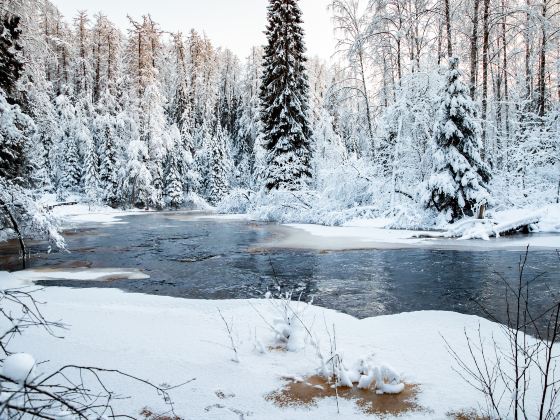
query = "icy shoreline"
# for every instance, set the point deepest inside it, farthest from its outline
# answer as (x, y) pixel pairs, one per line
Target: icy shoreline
(355, 234)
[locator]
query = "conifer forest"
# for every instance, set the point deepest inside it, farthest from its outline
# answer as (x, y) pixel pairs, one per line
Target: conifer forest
(226, 224)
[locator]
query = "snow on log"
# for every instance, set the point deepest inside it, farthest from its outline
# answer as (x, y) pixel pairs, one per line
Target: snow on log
(486, 229)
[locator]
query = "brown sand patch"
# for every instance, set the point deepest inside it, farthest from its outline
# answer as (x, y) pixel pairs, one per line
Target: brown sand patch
(315, 388)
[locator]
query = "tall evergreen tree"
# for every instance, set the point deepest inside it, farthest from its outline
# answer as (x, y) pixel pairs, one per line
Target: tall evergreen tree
(219, 166)
(172, 176)
(284, 97)
(457, 186)
(11, 55)
(90, 170)
(12, 142)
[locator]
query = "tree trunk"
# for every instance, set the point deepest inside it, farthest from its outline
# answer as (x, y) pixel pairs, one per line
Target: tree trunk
(474, 49)
(528, 78)
(366, 99)
(97, 68)
(15, 225)
(485, 57)
(448, 26)
(505, 73)
(542, 65)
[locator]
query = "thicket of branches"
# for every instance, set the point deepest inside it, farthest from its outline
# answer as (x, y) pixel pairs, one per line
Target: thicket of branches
(520, 379)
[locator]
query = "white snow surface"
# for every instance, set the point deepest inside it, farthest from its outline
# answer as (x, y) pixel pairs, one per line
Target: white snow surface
(84, 214)
(173, 340)
(373, 233)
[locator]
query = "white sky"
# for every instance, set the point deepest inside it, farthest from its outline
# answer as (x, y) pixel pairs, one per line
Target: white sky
(235, 24)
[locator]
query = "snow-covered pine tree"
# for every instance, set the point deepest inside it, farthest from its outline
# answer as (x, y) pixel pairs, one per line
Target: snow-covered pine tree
(220, 166)
(71, 173)
(249, 122)
(15, 129)
(67, 162)
(11, 60)
(12, 120)
(106, 135)
(90, 172)
(136, 186)
(172, 175)
(457, 186)
(154, 133)
(284, 98)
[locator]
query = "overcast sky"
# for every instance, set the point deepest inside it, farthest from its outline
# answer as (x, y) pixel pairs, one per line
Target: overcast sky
(236, 24)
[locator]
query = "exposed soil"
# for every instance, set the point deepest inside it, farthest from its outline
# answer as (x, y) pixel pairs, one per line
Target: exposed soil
(315, 388)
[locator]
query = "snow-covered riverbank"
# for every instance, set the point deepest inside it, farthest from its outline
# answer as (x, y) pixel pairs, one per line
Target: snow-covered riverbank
(173, 340)
(355, 234)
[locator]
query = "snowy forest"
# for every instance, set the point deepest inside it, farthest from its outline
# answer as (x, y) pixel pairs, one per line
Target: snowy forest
(373, 234)
(429, 111)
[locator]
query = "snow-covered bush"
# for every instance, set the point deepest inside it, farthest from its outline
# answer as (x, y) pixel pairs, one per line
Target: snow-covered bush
(237, 201)
(289, 328)
(283, 205)
(193, 201)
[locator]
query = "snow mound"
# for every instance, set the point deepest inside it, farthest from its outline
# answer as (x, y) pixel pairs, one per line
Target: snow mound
(18, 367)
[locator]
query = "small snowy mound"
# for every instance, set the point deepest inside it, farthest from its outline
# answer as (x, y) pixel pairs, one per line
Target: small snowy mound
(18, 367)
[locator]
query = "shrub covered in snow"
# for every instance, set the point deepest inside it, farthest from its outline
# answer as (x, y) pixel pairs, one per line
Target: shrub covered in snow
(237, 201)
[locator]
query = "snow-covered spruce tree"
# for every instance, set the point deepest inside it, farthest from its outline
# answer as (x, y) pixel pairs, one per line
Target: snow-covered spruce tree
(71, 173)
(106, 135)
(136, 187)
(220, 166)
(90, 170)
(153, 133)
(457, 186)
(172, 173)
(15, 129)
(284, 98)
(11, 62)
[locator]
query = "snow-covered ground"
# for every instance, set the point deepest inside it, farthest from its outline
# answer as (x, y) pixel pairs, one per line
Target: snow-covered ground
(173, 340)
(374, 233)
(85, 214)
(355, 234)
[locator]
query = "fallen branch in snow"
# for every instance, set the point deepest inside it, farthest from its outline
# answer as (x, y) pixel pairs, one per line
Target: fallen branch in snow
(528, 366)
(485, 229)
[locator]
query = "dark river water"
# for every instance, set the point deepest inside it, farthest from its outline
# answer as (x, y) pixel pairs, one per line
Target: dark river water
(225, 259)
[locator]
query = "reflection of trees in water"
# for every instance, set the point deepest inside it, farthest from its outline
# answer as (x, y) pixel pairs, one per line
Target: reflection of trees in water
(217, 260)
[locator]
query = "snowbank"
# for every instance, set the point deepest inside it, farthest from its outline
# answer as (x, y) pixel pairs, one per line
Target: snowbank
(85, 214)
(377, 233)
(173, 340)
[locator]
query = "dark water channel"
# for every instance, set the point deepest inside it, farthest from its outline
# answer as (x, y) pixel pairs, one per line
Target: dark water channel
(224, 259)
